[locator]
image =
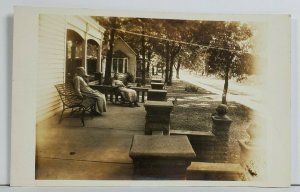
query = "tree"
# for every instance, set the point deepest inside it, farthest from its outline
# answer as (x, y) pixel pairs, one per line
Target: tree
(229, 43)
(172, 32)
(177, 67)
(175, 49)
(224, 50)
(111, 24)
(138, 40)
(167, 45)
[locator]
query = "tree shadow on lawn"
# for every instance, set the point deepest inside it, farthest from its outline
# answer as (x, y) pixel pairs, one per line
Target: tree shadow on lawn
(178, 89)
(192, 112)
(196, 116)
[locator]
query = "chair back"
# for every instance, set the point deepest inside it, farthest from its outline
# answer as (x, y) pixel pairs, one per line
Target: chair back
(68, 95)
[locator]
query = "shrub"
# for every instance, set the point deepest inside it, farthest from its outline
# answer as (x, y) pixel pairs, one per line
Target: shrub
(138, 80)
(129, 78)
(191, 88)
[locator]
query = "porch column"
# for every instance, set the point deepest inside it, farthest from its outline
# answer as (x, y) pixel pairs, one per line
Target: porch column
(84, 51)
(99, 64)
(103, 65)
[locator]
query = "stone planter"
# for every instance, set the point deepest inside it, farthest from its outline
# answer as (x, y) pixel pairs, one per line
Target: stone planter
(158, 116)
(220, 128)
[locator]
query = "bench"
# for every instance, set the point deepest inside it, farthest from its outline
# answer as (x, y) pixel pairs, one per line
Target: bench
(71, 100)
(215, 171)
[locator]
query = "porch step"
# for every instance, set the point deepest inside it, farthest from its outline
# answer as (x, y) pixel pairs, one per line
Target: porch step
(215, 171)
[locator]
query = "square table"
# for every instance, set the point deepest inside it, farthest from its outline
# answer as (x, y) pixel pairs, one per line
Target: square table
(106, 90)
(157, 95)
(156, 80)
(138, 90)
(157, 85)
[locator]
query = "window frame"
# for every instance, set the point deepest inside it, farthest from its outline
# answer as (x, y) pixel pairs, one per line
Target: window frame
(124, 63)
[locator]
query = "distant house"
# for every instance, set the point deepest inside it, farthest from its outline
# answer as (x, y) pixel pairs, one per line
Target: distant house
(65, 42)
(124, 58)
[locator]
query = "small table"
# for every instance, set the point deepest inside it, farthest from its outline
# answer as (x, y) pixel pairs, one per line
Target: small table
(138, 90)
(156, 80)
(161, 157)
(157, 95)
(157, 85)
(105, 89)
(161, 106)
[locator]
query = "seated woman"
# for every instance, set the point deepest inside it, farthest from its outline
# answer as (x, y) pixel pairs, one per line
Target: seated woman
(128, 94)
(82, 89)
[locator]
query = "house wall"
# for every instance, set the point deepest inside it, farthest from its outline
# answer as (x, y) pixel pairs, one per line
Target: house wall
(52, 56)
(122, 46)
(51, 64)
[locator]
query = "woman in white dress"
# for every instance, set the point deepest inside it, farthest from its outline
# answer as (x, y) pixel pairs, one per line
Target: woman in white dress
(82, 89)
(130, 95)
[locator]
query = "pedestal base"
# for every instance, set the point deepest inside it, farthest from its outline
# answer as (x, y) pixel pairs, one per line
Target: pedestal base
(161, 157)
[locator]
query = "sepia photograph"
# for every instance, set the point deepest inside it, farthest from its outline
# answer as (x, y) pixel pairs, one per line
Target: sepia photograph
(135, 98)
(148, 99)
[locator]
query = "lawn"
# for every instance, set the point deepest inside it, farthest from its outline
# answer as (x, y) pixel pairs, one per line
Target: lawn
(192, 111)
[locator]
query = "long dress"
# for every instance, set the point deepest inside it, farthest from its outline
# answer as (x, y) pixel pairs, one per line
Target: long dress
(82, 88)
(129, 94)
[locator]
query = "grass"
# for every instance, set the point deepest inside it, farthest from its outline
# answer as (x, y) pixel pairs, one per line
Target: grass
(178, 89)
(192, 112)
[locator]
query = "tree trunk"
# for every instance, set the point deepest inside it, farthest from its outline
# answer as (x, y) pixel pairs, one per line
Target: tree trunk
(143, 60)
(224, 100)
(171, 70)
(167, 62)
(178, 68)
(107, 79)
(174, 53)
(148, 60)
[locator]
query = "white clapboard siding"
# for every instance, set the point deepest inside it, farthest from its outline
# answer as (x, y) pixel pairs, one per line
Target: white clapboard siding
(51, 64)
(50, 110)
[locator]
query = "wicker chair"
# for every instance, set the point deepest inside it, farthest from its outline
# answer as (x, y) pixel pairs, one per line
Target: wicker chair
(72, 101)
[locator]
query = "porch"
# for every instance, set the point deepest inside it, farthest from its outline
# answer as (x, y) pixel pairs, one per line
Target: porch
(97, 151)
(100, 150)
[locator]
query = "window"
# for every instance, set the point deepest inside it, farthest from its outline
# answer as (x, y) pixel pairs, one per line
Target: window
(115, 65)
(126, 66)
(120, 65)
